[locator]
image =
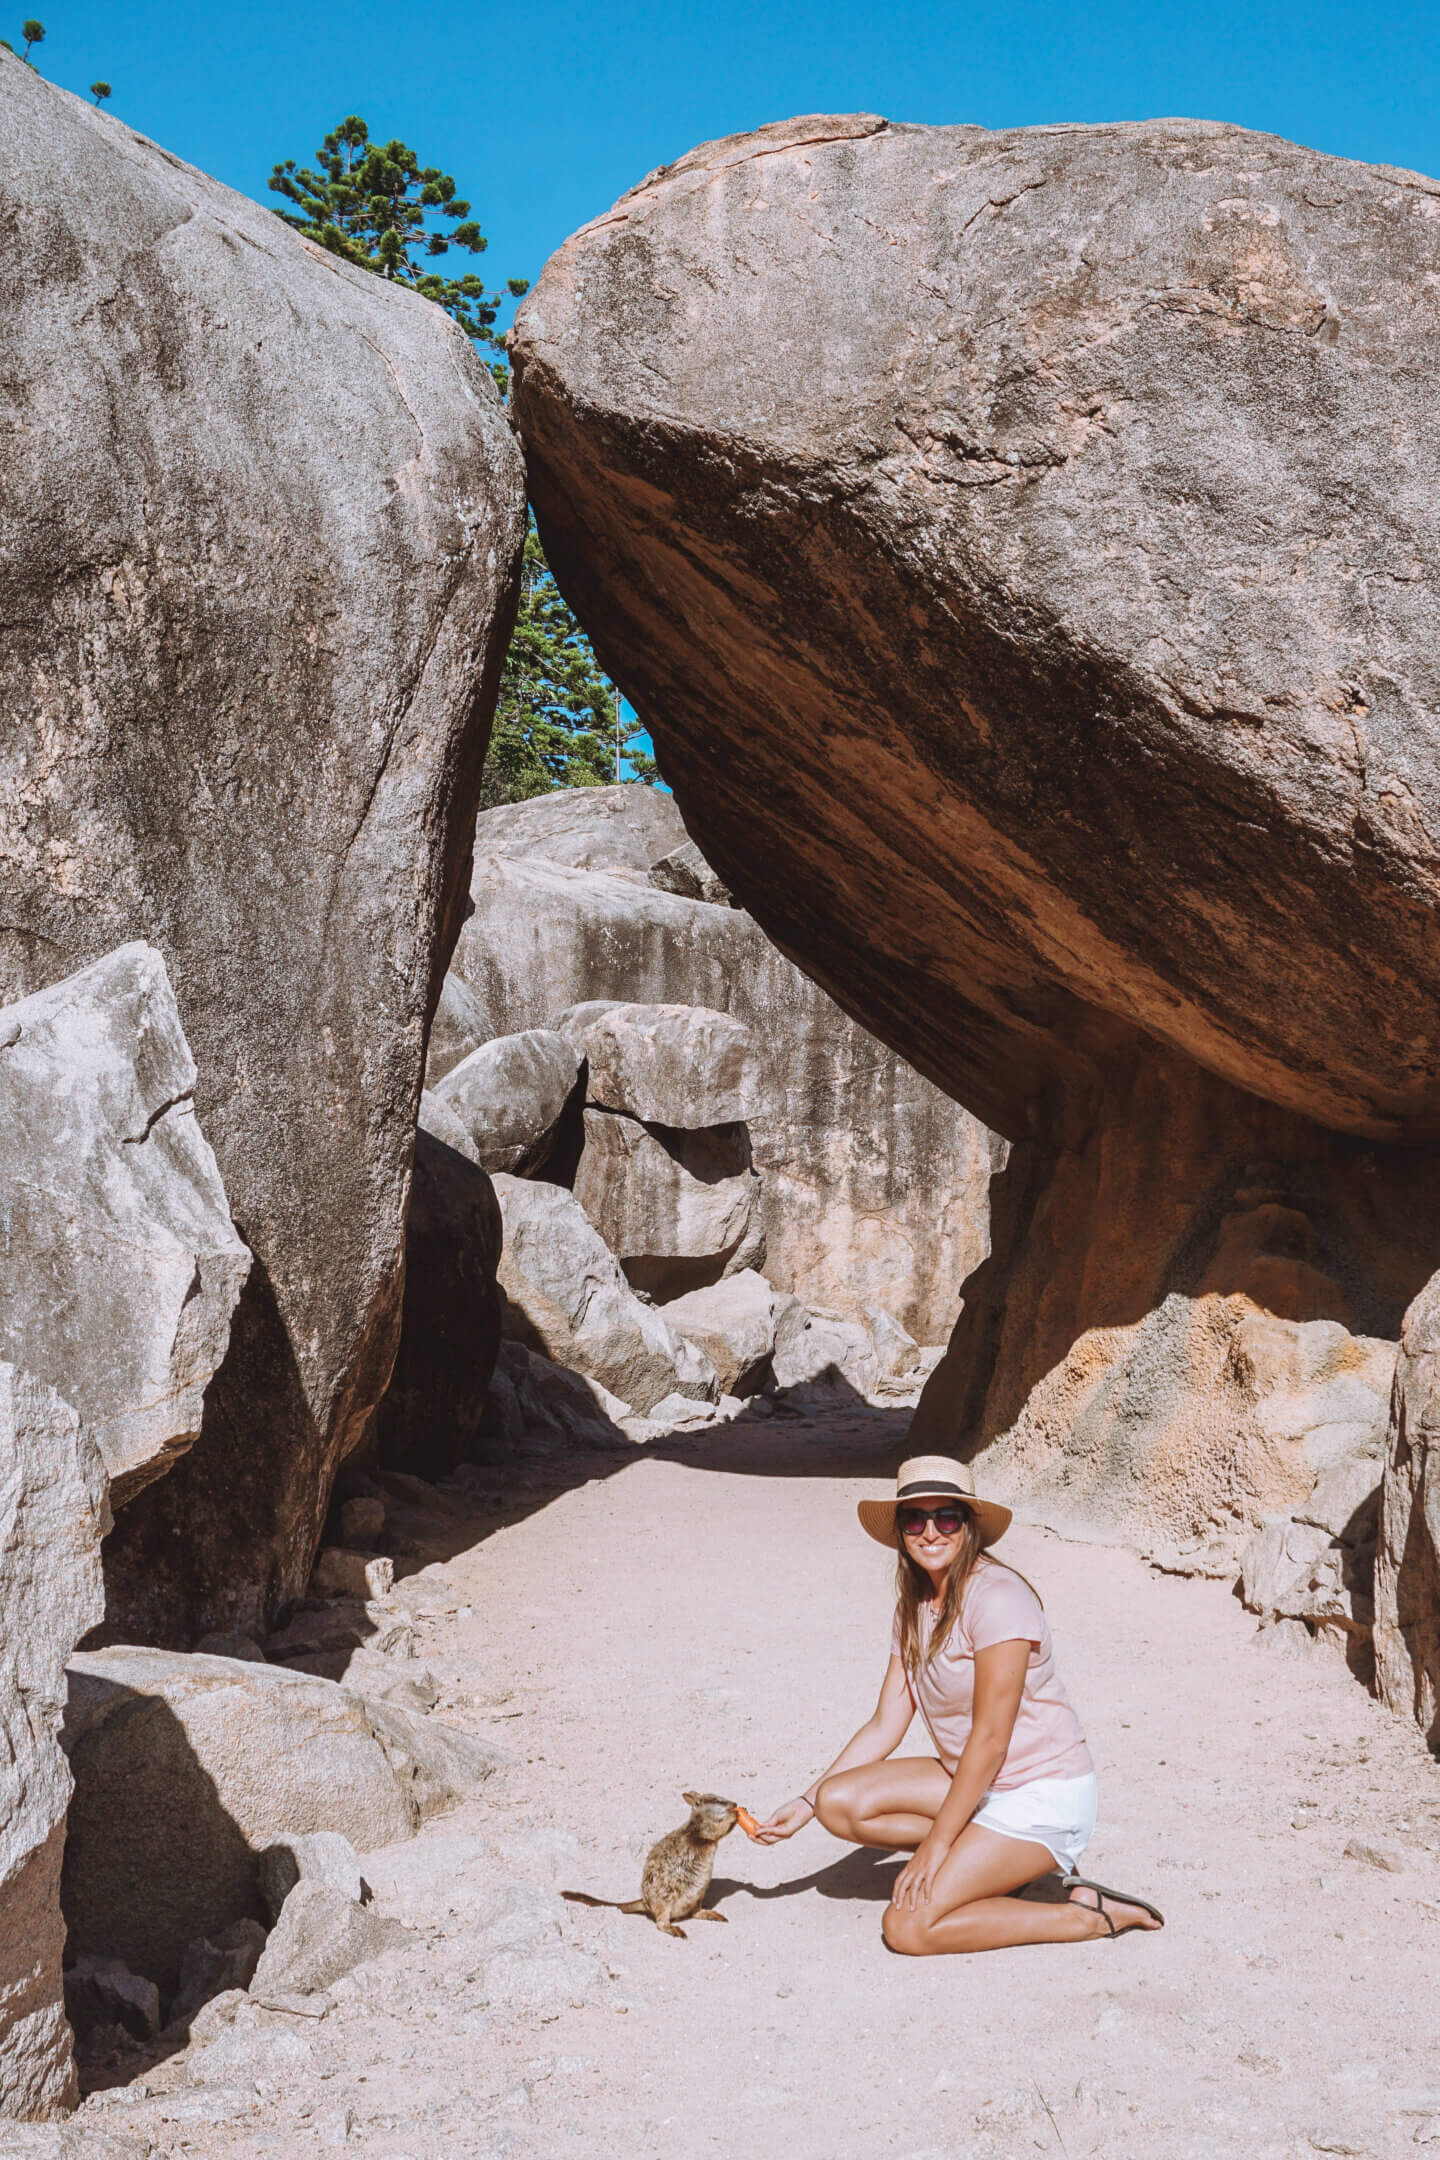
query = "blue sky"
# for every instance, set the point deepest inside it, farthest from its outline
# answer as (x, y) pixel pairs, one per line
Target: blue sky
(545, 110)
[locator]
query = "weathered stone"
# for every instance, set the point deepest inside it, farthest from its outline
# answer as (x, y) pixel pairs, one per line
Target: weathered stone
(186, 1769)
(511, 1096)
(441, 1123)
(258, 567)
(567, 1297)
(1195, 1424)
(312, 1856)
(621, 828)
(1407, 1562)
(679, 1065)
(431, 1413)
(339, 1573)
(734, 1323)
(438, 1765)
(678, 1209)
(124, 1266)
(874, 1183)
(321, 1933)
(542, 1394)
(214, 1967)
(461, 1024)
(71, 2141)
(1294, 1571)
(104, 1991)
(685, 871)
(51, 1594)
(247, 2055)
(822, 1350)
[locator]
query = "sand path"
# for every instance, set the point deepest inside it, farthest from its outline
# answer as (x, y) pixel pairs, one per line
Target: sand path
(710, 1615)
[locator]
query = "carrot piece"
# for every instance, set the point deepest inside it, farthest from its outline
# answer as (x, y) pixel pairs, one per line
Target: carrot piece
(746, 1821)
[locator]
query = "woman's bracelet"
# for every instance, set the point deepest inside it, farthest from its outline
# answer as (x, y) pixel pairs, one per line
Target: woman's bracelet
(808, 1801)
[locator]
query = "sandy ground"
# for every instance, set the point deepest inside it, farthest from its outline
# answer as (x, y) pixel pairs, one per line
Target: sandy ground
(709, 1615)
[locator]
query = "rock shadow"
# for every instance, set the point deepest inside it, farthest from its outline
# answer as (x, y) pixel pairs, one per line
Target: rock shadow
(155, 1868)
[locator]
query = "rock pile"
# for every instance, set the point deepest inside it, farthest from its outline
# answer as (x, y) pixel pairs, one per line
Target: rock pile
(873, 1185)
(651, 1155)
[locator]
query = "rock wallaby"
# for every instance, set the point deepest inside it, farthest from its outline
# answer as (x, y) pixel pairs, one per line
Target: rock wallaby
(679, 1867)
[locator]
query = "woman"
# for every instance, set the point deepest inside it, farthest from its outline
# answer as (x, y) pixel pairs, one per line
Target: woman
(1012, 1796)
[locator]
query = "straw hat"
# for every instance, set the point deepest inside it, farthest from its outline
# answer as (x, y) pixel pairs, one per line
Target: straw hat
(932, 1477)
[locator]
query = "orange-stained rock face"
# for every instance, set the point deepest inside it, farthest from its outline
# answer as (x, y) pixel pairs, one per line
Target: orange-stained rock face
(1024, 552)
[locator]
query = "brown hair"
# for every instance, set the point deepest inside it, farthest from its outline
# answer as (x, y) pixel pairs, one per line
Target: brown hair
(913, 1588)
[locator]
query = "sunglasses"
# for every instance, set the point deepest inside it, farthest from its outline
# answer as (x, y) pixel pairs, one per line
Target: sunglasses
(948, 1521)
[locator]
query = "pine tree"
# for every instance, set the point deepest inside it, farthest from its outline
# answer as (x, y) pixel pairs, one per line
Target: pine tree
(374, 204)
(34, 34)
(558, 719)
(99, 91)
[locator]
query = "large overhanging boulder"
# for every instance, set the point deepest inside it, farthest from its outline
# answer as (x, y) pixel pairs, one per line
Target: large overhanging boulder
(260, 534)
(1020, 548)
(1024, 531)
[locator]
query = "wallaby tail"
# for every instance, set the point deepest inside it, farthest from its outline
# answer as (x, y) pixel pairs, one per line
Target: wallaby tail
(610, 1904)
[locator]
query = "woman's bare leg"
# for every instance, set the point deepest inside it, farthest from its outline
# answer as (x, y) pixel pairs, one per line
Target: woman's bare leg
(891, 1804)
(971, 1906)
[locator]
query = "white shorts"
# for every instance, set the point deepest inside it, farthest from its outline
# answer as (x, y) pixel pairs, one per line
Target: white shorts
(1056, 1812)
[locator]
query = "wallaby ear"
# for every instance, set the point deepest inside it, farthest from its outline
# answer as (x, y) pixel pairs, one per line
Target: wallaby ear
(691, 1799)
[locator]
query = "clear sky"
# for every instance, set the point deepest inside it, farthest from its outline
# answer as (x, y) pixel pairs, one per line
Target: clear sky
(546, 110)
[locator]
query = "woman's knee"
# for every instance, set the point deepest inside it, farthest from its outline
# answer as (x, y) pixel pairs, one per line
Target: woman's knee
(836, 1804)
(904, 1931)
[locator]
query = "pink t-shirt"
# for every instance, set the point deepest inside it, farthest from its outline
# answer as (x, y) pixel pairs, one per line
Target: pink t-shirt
(998, 1607)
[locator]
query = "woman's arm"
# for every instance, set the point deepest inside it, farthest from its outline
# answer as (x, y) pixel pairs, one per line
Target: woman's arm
(999, 1685)
(878, 1737)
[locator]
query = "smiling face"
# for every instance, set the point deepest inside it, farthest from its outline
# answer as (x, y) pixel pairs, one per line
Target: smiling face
(932, 1532)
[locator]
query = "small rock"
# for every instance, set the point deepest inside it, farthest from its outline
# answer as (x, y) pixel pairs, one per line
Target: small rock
(244, 2054)
(314, 1856)
(361, 1520)
(335, 2125)
(306, 2006)
(216, 1966)
(103, 1991)
(426, 1596)
(319, 1935)
(338, 1573)
(211, 2019)
(222, 1644)
(1377, 1856)
(440, 1765)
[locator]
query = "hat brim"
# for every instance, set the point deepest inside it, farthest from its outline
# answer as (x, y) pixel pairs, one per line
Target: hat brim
(877, 1517)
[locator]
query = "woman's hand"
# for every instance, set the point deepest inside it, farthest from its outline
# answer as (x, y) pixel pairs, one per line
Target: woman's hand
(916, 1879)
(785, 1822)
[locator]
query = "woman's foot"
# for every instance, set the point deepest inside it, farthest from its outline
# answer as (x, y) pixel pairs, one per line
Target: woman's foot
(1121, 1916)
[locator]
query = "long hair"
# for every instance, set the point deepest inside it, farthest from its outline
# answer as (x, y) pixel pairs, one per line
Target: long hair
(913, 1588)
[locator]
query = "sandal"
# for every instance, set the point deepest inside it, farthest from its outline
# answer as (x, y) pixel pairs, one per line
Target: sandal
(1121, 1897)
